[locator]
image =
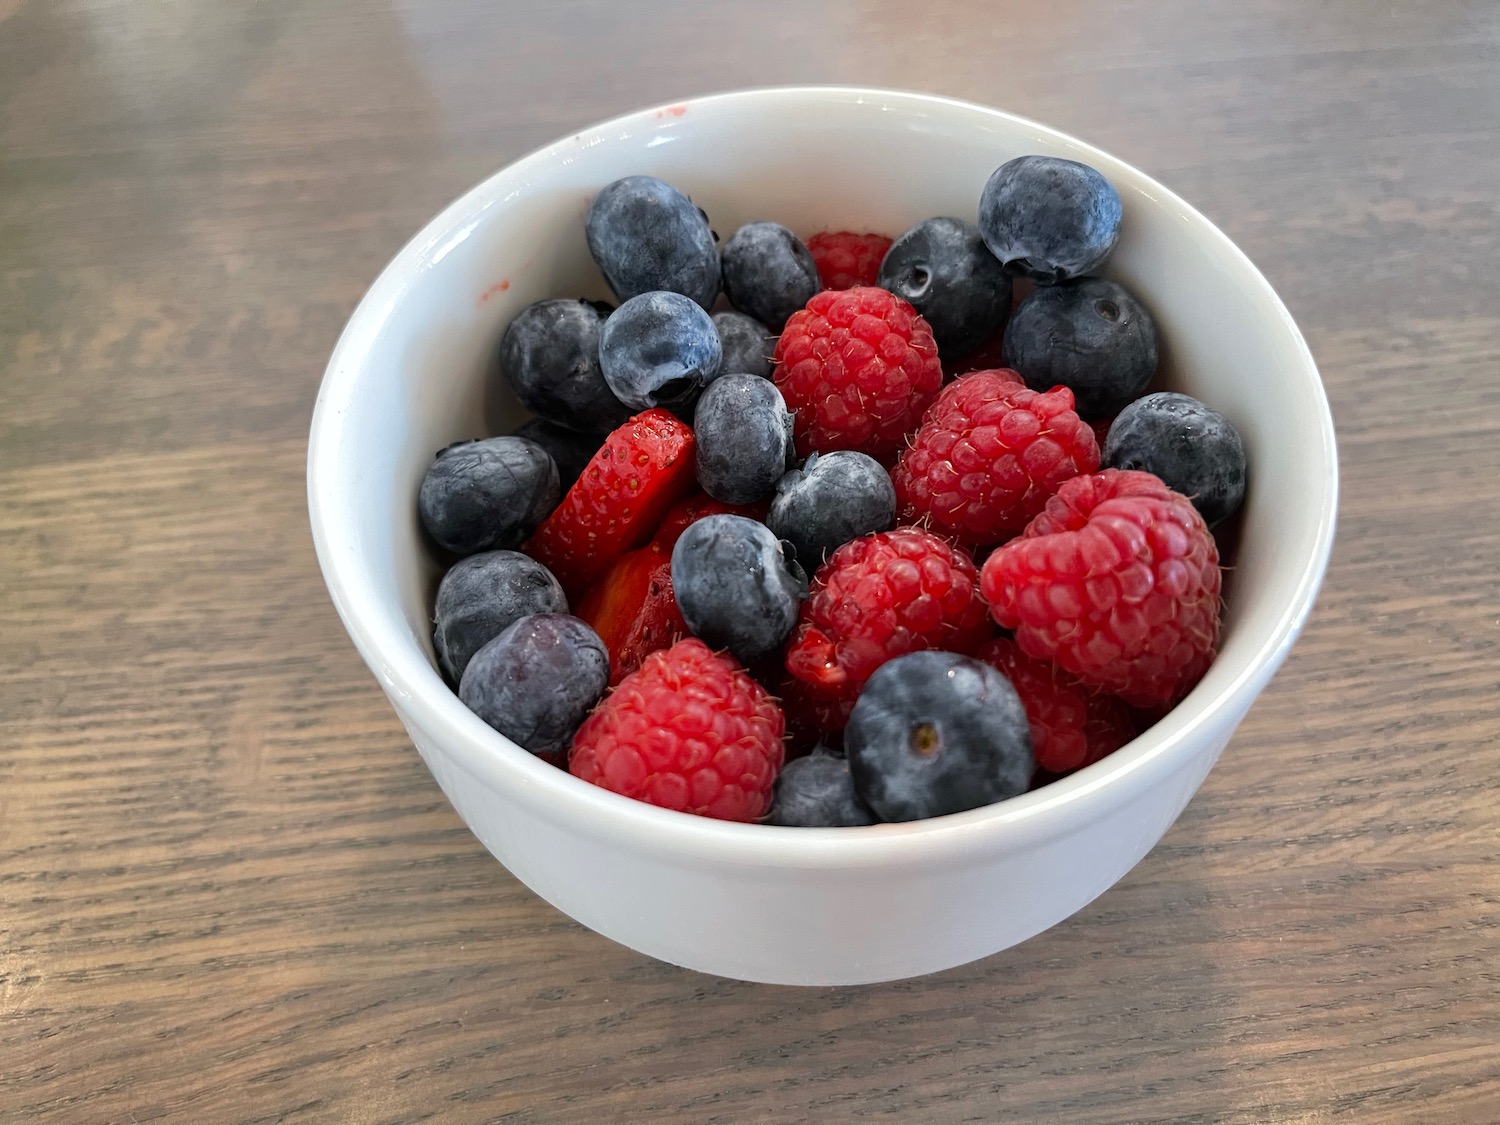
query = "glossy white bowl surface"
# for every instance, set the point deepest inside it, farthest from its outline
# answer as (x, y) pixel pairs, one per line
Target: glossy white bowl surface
(802, 906)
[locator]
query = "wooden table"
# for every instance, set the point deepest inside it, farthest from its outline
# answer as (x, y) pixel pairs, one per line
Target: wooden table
(229, 890)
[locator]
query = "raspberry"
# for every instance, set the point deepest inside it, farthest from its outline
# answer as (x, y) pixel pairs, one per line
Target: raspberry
(1117, 581)
(1071, 726)
(876, 598)
(690, 731)
(846, 259)
(859, 367)
(642, 469)
(988, 455)
(815, 712)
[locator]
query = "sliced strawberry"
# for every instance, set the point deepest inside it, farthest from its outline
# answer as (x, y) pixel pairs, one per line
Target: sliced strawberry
(694, 507)
(634, 610)
(658, 625)
(642, 469)
(612, 603)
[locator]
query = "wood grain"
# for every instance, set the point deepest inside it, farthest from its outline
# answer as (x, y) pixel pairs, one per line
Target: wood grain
(229, 891)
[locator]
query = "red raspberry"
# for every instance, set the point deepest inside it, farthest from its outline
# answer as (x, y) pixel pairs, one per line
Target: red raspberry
(876, 598)
(1117, 581)
(642, 469)
(988, 455)
(859, 367)
(1071, 726)
(846, 259)
(690, 731)
(814, 713)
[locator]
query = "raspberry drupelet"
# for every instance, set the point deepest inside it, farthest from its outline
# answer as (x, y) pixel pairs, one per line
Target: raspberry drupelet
(859, 367)
(689, 730)
(846, 259)
(874, 599)
(1117, 581)
(988, 455)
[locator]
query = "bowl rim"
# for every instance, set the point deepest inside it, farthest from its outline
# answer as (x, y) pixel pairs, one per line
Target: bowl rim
(413, 684)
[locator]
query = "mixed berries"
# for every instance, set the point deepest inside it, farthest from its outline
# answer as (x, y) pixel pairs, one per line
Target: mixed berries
(841, 531)
(878, 597)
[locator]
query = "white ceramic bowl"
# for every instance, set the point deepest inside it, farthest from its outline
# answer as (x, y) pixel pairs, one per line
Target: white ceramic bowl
(788, 905)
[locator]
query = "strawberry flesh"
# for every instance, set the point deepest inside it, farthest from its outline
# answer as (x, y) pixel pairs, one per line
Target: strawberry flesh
(643, 468)
(634, 610)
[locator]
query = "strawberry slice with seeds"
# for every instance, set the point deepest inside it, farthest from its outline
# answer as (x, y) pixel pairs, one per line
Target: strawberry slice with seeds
(643, 468)
(634, 610)
(696, 506)
(633, 607)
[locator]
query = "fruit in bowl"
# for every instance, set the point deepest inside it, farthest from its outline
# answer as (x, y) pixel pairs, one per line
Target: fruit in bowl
(828, 905)
(1109, 577)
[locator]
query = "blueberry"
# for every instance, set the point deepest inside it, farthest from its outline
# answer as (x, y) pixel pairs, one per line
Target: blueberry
(833, 498)
(1049, 219)
(479, 495)
(747, 345)
(943, 269)
(570, 449)
(658, 349)
(537, 681)
(646, 235)
(768, 273)
(1190, 446)
(935, 733)
(744, 436)
(481, 596)
(817, 792)
(735, 586)
(1090, 335)
(550, 357)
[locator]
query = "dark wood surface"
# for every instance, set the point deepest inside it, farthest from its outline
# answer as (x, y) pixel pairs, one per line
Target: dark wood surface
(229, 890)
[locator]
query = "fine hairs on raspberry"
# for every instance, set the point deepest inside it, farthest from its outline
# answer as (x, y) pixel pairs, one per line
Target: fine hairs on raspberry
(689, 730)
(988, 454)
(1117, 581)
(858, 367)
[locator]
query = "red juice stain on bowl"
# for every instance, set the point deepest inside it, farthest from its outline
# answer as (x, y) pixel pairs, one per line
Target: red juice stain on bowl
(498, 287)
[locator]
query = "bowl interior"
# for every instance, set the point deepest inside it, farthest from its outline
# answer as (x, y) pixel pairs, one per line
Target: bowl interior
(410, 374)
